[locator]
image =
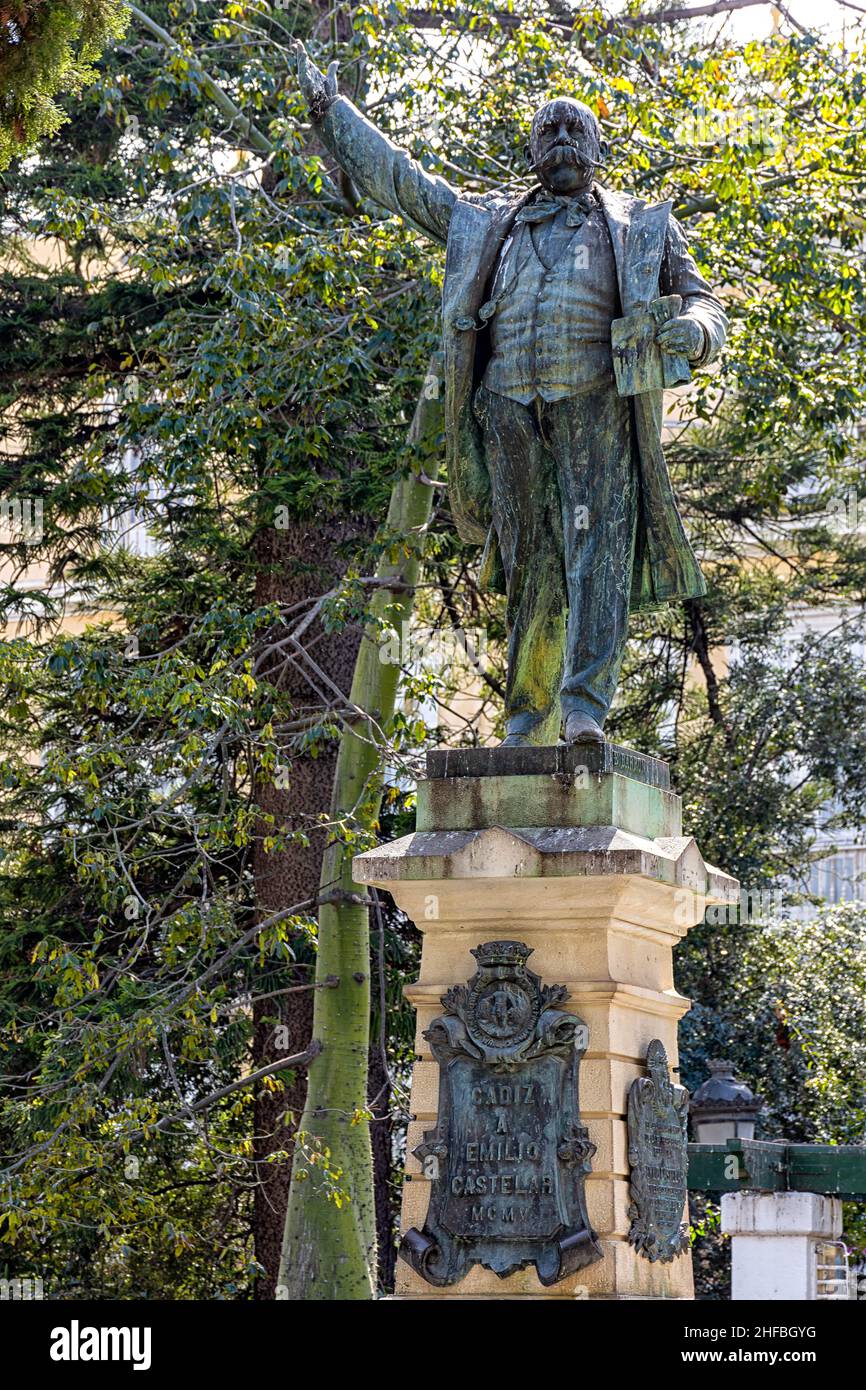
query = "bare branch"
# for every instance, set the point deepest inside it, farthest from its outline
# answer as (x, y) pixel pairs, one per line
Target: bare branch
(505, 19)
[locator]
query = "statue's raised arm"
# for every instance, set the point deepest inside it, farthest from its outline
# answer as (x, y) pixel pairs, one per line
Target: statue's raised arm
(380, 168)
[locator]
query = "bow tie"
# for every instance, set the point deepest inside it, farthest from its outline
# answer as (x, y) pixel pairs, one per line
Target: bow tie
(578, 207)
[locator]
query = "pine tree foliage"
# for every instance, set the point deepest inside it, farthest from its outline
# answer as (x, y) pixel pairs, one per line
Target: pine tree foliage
(47, 49)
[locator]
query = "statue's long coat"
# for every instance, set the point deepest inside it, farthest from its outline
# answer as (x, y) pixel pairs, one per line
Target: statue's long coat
(652, 258)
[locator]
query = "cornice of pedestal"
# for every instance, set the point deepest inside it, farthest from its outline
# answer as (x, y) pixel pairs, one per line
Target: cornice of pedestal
(453, 862)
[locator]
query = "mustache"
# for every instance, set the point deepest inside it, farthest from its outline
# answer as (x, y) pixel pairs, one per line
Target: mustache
(566, 152)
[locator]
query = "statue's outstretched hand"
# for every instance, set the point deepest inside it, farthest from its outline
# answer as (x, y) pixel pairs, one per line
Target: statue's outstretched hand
(319, 89)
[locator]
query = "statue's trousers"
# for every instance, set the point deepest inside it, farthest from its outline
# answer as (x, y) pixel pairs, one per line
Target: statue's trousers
(564, 505)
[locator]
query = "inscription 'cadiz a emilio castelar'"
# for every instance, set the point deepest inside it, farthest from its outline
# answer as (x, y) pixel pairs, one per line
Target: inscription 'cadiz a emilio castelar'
(508, 1156)
(502, 1152)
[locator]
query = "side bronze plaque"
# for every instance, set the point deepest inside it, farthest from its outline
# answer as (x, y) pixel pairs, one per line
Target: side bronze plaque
(508, 1157)
(658, 1156)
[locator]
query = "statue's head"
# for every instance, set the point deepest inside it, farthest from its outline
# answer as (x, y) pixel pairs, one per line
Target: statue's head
(565, 145)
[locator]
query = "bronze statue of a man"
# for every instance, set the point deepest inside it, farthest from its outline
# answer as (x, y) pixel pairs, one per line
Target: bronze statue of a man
(566, 311)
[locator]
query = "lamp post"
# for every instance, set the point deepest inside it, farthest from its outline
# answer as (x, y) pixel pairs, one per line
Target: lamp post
(723, 1108)
(781, 1203)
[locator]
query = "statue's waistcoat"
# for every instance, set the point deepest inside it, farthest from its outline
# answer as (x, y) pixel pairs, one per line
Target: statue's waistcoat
(554, 302)
(665, 566)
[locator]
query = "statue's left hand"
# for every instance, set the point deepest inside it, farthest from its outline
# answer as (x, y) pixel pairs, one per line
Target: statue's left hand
(681, 336)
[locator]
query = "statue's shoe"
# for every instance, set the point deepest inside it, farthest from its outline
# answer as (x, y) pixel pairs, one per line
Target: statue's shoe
(582, 728)
(516, 741)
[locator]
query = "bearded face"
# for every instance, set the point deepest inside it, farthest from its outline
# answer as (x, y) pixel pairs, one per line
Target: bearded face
(565, 145)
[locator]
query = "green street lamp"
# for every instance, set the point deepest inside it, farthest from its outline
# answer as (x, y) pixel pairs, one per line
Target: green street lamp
(723, 1108)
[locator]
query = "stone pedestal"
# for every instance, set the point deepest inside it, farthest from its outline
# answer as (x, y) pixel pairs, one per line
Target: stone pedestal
(579, 853)
(777, 1243)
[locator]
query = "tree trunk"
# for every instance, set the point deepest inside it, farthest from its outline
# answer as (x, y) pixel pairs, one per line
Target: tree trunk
(295, 564)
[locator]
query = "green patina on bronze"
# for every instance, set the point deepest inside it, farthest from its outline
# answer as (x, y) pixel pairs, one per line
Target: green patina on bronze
(557, 760)
(508, 1157)
(566, 310)
(658, 1159)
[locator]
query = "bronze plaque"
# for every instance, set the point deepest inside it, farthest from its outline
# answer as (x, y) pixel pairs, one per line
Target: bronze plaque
(658, 1156)
(508, 1157)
